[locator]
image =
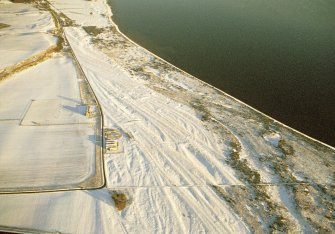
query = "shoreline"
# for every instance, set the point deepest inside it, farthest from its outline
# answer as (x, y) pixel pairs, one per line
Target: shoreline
(185, 151)
(205, 83)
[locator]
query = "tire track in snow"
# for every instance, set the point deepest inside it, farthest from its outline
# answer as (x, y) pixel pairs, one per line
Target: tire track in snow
(155, 137)
(161, 125)
(152, 138)
(175, 210)
(192, 203)
(127, 105)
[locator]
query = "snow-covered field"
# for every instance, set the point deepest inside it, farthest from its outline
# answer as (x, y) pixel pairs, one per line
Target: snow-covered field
(28, 33)
(44, 132)
(193, 159)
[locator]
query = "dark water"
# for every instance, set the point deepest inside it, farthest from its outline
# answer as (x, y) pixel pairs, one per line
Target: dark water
(277, 56)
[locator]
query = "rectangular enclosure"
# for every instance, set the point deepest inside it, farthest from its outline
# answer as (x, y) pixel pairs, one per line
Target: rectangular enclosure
(47, 140)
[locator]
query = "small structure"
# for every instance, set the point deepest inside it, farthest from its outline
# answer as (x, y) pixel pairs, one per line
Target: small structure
(112, 141)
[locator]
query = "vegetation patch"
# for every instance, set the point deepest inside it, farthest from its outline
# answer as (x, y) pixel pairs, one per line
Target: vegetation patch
(261, 215)
(2, 25)
(93, 30)
(22, 1)
(202, 110)
(286, 148)
(32, 61)
(246, 173)
(316, 204)
(252, 201)
(66, 21)
(120, 200)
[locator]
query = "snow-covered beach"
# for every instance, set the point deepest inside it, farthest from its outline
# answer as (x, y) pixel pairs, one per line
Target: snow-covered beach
(191, 159)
